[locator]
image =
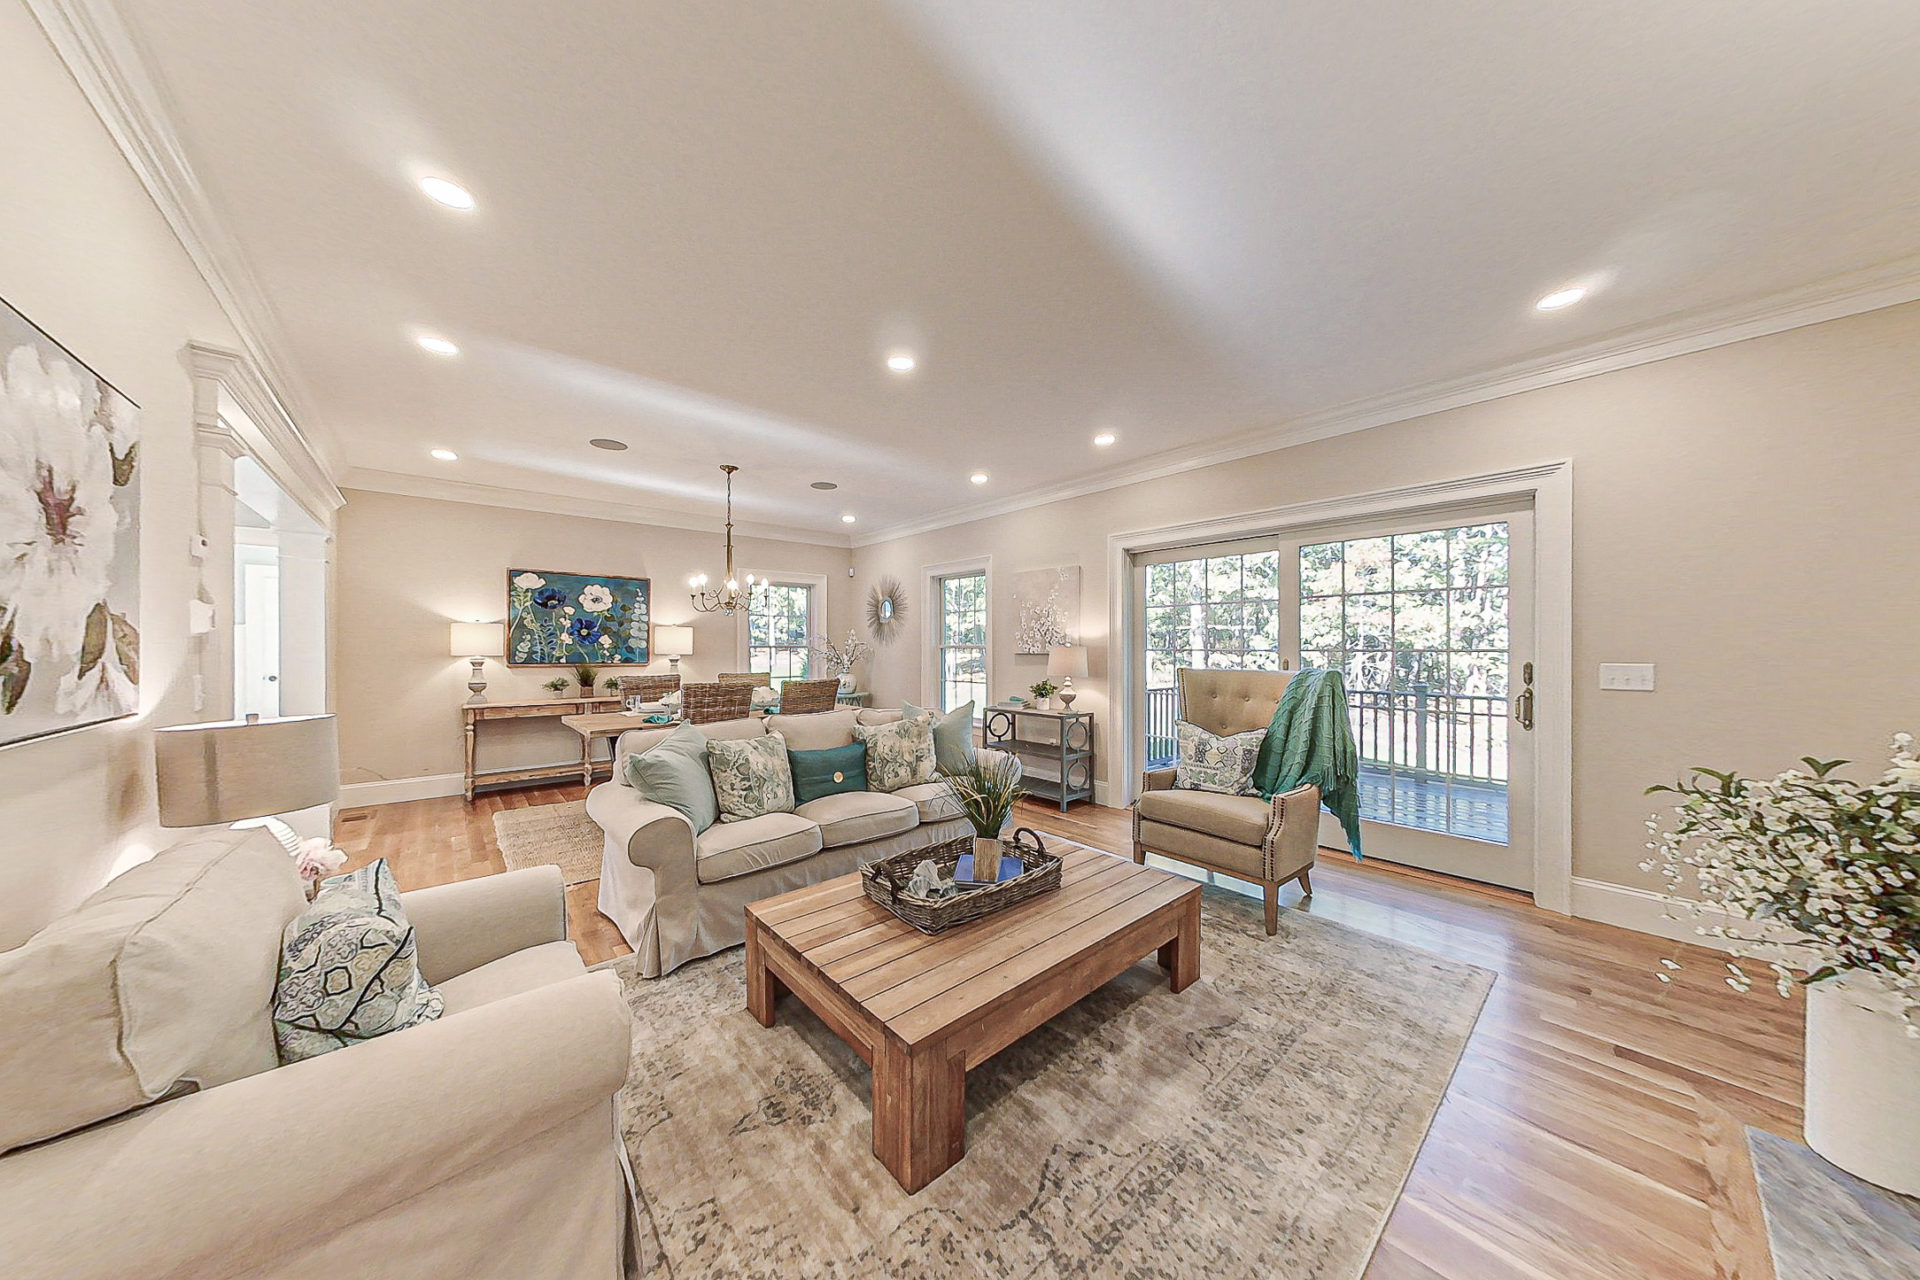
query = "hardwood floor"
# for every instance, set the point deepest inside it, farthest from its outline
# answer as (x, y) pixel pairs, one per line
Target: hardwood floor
(1593, 1130)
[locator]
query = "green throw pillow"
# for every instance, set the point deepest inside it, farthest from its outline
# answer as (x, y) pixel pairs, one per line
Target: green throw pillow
(751, 776)
(675, 774)
(952, 736)
(828, 772)
(898, 754)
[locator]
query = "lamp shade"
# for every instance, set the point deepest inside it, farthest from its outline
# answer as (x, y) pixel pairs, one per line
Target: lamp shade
(237, 769)
(673, 642)
(1067, 662)
(476, 640)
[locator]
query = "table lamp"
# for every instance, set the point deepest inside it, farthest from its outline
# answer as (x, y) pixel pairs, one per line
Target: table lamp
(675, 642)
(231, 771)
(1064, 662)
(476, 642)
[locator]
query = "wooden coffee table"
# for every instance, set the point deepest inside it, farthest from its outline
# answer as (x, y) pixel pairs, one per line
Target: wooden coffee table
(923, 1011)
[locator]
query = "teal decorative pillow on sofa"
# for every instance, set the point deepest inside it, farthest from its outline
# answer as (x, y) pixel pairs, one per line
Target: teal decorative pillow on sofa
(952, 736)
(751, 776)
(347, 968)
(674, 773)
(829, 771)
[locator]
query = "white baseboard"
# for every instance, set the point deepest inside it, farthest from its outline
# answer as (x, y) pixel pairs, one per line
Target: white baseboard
(400, 790)
(1663, 916)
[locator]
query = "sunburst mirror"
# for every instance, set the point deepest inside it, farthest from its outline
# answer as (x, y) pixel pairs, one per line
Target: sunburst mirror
(886, 609)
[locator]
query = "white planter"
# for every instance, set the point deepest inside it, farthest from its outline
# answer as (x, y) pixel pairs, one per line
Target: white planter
(846, 682)
(1863, 1084)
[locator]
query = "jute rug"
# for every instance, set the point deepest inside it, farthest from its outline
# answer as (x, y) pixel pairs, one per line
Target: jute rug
(1258, 1125)
(560, 835)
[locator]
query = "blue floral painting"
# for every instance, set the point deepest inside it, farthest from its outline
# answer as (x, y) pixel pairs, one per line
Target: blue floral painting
(560, 619)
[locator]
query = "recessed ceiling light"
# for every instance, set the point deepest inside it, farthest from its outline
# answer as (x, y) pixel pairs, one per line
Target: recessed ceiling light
(1105, 438)
(611, 446)
(978, 477)
(901, 362)
(1561, 298)
(449, 193)
(439, 346)
(824, 485)
(848, 519)
(445, 455)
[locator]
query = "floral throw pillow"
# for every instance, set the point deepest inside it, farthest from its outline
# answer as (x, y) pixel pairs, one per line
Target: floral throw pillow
(1210, 762)
(898, 754)
(751, 776)
(348, 970)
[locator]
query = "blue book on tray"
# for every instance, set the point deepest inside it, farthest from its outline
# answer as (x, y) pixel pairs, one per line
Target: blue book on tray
(1009, 867)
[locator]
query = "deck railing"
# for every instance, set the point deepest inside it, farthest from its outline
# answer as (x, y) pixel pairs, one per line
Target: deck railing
(1411, 731)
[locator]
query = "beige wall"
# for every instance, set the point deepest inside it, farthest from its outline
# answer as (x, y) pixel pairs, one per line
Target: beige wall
(406, 567)
(87, 256)
(1744, 517)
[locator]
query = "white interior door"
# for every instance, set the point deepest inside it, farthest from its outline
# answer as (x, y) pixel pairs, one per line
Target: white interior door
(1432, 622)
(257, 653)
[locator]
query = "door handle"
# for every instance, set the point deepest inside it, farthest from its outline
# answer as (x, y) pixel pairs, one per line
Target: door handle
(1523, 705)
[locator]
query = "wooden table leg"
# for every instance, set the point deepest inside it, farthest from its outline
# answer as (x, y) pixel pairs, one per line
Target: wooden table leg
(763, 987)
(586, 760)
(919, 1110)
(1181, 957)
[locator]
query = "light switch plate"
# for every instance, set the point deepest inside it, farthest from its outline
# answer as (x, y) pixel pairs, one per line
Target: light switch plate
(1634, 676)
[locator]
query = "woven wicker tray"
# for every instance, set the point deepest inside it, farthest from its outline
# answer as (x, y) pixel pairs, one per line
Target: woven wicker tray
(885, 881)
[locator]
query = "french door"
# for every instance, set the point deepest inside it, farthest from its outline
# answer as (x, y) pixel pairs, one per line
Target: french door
(1430, 619)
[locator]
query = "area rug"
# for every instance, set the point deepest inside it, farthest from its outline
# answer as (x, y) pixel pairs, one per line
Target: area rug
(560, 835)
(1825, 1224)
(1259, 1124)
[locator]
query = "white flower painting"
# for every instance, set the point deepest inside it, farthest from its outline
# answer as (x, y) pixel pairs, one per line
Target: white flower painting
(1046, 608)
(69, 540)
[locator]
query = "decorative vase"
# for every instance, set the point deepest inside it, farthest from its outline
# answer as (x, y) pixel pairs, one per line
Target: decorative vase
(986, 859)
(1863, 1083)
(846, 682)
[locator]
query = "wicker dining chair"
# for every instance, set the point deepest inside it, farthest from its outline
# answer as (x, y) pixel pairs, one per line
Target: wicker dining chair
(707, 703)
(648, 688)
(762, 678)
(802, 697)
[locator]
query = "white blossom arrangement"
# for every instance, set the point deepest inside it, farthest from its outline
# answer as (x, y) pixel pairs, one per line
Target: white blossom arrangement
(840, 658)
(1823, 864)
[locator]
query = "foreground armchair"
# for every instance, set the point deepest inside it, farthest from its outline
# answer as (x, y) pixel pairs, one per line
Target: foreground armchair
(483, 1144)
(1266, 842)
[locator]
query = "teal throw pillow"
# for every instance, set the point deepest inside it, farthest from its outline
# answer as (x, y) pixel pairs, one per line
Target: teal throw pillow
(828, 772)
(675, 774)
(952, 736)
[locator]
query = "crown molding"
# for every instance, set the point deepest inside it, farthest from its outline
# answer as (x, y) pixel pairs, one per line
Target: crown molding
(1888, 285)
(106, 61)
(488, 495)
(235, 410)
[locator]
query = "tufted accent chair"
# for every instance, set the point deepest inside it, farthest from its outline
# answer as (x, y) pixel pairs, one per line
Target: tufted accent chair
(1267, 842)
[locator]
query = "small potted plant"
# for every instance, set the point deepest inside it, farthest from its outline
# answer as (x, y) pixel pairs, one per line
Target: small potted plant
(587, 674)
(1809, 871)
(612, 686)
(558, 686)
(1043, 692)
(986, 792)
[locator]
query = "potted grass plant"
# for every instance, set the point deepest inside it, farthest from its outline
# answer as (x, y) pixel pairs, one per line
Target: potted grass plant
(1817, 877)
(586, 673)
(986, 792)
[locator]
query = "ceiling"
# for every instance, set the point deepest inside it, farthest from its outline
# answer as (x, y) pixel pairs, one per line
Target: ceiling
(701, 228)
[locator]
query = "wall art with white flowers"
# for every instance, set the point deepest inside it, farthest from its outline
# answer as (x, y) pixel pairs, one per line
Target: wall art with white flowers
(69, 540)
(563, 619)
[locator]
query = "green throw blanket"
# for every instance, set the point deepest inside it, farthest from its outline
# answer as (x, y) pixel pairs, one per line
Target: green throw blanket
(1310, 742)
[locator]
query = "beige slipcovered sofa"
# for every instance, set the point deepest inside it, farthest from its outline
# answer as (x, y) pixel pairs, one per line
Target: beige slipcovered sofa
(677, 897)
(483, 1144)
(1267, 842)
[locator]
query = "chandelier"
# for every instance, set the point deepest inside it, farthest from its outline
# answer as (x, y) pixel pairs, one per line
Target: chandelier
(728, 598)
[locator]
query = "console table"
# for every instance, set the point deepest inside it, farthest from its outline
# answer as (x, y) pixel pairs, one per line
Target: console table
(1055, 749)
(547, 708)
